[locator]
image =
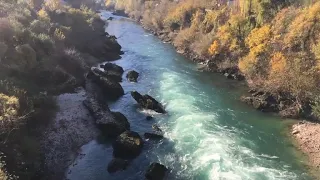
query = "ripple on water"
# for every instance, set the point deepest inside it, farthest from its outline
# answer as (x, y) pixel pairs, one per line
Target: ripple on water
(215, 153)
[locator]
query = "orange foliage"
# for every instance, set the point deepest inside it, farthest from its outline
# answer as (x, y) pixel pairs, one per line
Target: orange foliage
(214, 48)
(278, 63)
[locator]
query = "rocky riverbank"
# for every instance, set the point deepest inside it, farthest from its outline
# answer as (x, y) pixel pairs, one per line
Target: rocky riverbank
(307, 137)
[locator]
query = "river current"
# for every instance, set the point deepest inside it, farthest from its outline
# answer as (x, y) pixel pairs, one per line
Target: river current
(209, 133)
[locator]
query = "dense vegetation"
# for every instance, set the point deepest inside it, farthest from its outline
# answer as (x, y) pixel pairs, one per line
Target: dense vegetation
(274, 44)
(45, 49)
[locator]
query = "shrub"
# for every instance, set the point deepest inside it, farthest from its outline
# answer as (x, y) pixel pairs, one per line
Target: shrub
(28, 56)
(214, 48)
(6, 30)
(59, 35)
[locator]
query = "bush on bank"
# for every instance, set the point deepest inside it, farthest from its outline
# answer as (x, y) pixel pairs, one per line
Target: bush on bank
(45, 49)
(275, 44)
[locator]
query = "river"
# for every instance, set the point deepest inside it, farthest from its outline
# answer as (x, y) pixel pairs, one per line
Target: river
(210, 135)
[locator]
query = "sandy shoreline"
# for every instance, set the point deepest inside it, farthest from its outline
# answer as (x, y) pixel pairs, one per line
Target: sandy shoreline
(307, 139)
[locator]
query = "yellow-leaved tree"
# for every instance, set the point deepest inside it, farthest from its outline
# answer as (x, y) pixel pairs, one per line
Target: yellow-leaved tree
(258, 42)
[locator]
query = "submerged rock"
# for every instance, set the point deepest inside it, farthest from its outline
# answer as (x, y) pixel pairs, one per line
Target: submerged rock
(117, 165)
(147, 102)
(156, 171)
(110, 123)
(112, 89)
(156, 128)
(129, 144)
(149, 118)
(153, 136)
(132, 76)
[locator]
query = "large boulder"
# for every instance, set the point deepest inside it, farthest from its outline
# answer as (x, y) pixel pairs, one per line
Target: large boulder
(156, 171)
(115, 76)
(128, 145)
(148, 102)
(132, 76)
(113, 67)
(117, 165)
(112, 89)
(111, 124)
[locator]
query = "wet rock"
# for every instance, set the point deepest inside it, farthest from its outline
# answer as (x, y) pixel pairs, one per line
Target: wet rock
(110, 123)
(132, 76)
(153, 136)
(156, 171)
(114, 68)
(117, 165)
(290, 112)
(129, 144)
(232, 73)
(261, 101)
(110, 19)
(156, 128)
(148, 102)
(112, 75)
(112, 89)
(149, 118)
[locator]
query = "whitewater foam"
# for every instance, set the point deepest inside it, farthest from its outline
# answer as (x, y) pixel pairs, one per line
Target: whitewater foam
(216, 152)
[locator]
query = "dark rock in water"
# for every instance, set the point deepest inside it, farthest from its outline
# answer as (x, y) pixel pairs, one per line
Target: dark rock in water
(132, 76)
(153, 136)
(156, 171)
(101, 66)
(112, 75)
(156, 128)
(129, 145)
(111, 124)
(112, 89)
(149, 118)
(147, 102)
(110, 19)
(117, 165)
(113, 67)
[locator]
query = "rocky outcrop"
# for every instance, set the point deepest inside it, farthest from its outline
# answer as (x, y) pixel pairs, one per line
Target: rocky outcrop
(111, 67)
(281, 103)
(128, 145)
(110, 123)
(132, 76)
(232, 73)
(107, 74)
(156, 171)
(148, 102)
(111, 88)
(117, 165)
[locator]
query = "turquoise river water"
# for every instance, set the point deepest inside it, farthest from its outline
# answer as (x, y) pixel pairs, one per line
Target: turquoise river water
(209, 134)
